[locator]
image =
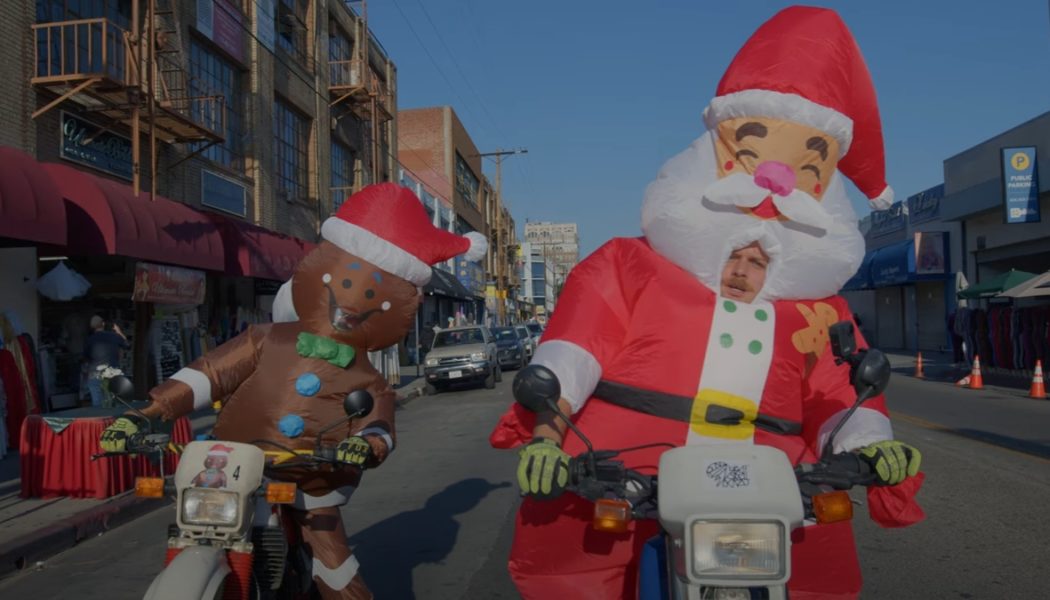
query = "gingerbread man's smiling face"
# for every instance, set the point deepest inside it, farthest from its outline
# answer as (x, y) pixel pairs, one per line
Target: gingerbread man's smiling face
(346, 298)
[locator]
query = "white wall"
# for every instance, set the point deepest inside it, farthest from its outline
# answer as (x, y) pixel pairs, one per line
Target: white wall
(18, 267)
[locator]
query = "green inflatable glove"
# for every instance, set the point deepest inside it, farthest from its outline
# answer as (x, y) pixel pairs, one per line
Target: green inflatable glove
(543, 469)
(354, 450)
(115, 437)
(893, 461)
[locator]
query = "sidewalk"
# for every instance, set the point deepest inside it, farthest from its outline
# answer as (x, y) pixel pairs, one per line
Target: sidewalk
(32, 530)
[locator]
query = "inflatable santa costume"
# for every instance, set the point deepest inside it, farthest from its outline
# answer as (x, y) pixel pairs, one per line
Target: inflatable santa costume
(647, 350)
(357, 291)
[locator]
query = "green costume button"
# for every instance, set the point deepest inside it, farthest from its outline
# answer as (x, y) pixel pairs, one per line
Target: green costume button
(761, 315)
(726, 340)
(730, 306)
(754, 347)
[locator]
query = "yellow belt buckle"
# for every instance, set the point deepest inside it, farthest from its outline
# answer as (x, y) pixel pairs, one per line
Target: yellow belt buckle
(741, 431)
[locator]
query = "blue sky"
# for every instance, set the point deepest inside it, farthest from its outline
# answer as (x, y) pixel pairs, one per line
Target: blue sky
(602, 93)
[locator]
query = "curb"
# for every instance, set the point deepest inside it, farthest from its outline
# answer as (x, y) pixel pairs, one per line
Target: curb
(407, 393)
(25, 551)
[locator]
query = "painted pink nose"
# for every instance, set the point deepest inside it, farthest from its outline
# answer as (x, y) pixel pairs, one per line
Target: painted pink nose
(776, 177)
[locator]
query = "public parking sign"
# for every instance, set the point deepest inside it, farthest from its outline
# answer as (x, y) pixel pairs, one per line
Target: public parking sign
(1020, 185)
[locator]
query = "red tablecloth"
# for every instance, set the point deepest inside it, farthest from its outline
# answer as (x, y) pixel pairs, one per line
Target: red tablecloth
(59, 464)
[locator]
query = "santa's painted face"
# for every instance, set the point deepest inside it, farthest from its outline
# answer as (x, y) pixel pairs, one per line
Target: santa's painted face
(760, 180)
(342, 296)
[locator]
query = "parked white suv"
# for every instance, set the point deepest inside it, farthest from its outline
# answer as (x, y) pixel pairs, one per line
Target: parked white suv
(462, 354)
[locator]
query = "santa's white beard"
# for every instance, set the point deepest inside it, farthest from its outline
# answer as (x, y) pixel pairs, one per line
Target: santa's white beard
(697, 234)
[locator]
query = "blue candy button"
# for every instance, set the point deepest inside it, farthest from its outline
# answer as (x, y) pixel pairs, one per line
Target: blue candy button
(291, 425)
(308, 384)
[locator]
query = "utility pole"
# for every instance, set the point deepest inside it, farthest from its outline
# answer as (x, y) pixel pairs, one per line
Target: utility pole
(501, 250)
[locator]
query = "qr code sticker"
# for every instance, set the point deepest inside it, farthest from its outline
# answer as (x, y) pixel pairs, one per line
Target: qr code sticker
(729, 475)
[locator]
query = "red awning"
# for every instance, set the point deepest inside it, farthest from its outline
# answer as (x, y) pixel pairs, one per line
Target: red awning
(106, 218)
(253, 251)
(31, 207)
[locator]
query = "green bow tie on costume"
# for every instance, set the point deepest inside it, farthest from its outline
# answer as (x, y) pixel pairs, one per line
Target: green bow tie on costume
(314, 346)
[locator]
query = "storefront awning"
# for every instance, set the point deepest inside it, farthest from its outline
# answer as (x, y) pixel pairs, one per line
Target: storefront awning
(106, 218)
(992, 286)
(890, 264)
(253, 251)
(861, 280)
(443, 283)
(31, 207)
(1034, 287)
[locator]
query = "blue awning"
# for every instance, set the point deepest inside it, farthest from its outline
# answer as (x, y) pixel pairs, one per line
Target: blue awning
(861, 280)
(893, 264)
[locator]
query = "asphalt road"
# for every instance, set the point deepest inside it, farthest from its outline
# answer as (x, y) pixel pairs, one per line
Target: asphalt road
(435, 522)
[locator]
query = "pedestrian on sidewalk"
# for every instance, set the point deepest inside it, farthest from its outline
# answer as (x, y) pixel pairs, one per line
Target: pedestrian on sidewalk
(101, 349)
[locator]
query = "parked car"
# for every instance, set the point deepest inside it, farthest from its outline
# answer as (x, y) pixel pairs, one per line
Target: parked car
(510, 348)
(462, 354)
(526, 341)
(536, 330)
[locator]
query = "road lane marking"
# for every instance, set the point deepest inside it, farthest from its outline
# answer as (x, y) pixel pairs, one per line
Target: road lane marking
(894, 415)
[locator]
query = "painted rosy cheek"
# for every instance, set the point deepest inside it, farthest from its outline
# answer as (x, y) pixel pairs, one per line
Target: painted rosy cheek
(816, 189)
(728, 166)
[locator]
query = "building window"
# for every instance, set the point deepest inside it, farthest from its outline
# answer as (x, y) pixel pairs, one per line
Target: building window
(466, 182)
(340, 52)
(291, 28)
(342, 174)
(210, 75)
(291, 143)
(78, 47)
(538, 269)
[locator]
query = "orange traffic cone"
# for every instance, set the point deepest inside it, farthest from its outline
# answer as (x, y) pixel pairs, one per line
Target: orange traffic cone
(965, 381)
(1038, 391)
(918, 367)
(976, 381)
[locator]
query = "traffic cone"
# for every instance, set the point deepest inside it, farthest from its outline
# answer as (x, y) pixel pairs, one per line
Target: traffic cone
(965, 381)
(976, 381)
(1038, 391)
(918, 367)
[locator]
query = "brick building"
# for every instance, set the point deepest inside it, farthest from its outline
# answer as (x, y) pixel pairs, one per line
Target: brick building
(241, 125)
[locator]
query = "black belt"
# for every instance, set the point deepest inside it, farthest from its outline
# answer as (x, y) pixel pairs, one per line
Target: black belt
(680, 408)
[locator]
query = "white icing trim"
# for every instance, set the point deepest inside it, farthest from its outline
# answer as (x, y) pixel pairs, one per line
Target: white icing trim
(577, 370)
(198, 382)
(778, 105)
(866, 426)
(283, 309)
(379, 432)
(339, 497)
(376, 250)
(339, 577)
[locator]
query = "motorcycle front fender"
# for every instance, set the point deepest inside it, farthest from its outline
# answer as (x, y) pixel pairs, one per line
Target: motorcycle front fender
(195, 574)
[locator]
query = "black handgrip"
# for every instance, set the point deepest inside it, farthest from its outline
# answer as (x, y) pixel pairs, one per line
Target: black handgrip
(840, 471)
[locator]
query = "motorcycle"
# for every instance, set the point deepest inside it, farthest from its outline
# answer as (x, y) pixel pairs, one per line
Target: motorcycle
(231, 538)
(721, 536)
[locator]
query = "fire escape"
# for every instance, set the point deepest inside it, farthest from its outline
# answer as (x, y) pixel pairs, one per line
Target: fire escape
(137, 78)
(356, 84)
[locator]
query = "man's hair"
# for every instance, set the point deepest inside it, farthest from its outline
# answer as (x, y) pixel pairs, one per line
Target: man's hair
(97, 322)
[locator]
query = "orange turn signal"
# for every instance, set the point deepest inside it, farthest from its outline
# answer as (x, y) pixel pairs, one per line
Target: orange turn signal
(611, 515)
(832, 507)
(280, 493)
(149, 487)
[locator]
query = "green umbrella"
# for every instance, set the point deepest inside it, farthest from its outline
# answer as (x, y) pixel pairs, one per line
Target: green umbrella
(993, 286)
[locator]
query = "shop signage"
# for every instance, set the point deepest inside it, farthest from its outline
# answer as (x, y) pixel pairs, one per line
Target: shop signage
(926, 205)
(90, 145)
(222, 23)
(168, 285)
(1020, 185)
(929, 253)
(886, 221)
(223, 193)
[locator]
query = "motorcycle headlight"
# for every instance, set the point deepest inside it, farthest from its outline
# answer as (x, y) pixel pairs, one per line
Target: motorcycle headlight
(203, 506)
(477, 356)
(738, 550)
(432, 362)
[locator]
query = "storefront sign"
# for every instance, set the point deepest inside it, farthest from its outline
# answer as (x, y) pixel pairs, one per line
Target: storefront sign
(926, 205)
(222, 23)
(887, 221)
(929, 253)
(1020, 185)
(223, 193)
(168, 285)
(90, 145)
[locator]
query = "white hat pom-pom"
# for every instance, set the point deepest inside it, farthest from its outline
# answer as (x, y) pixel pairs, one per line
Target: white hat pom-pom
(478, 246)
(883, 200)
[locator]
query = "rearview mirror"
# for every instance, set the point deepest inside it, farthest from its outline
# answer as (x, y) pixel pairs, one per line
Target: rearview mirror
(358, 403)
(873, 371)
(121, 387)
(536, 388)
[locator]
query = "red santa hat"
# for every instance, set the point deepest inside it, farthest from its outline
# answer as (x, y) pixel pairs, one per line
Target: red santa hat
(387, 225)
(803, 65)
(219, 450)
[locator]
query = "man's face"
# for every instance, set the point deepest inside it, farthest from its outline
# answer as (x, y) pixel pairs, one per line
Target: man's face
(745, 273)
